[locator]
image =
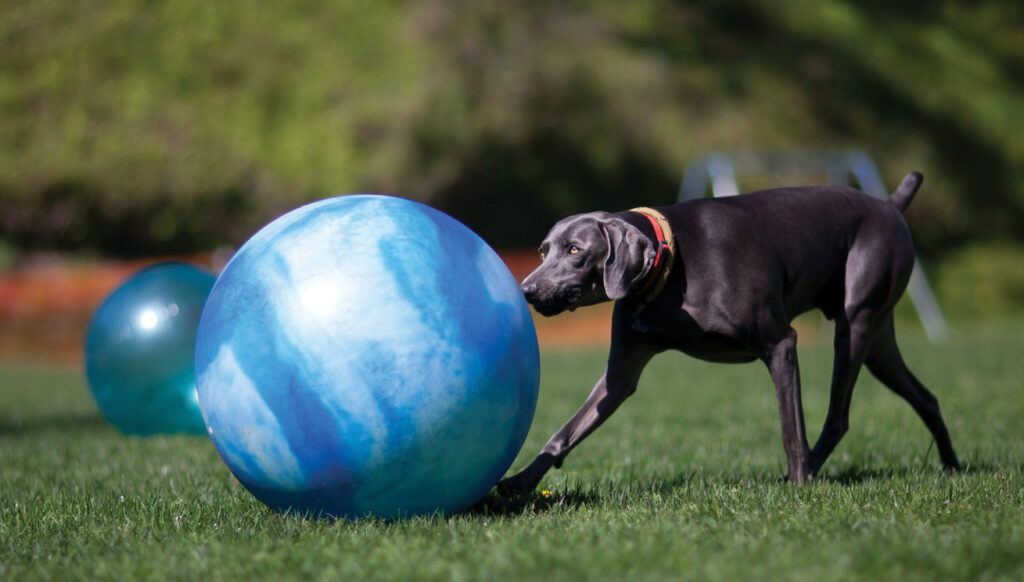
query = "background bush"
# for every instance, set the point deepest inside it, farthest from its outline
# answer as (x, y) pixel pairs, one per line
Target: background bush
(983, 282)
(130, 127)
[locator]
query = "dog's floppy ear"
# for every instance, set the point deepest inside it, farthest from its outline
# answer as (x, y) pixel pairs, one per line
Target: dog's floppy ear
(630, 257)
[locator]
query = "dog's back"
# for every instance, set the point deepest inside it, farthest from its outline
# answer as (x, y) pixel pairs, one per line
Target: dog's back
(807, 235)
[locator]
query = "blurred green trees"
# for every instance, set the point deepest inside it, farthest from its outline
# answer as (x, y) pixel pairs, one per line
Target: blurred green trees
(132, 127)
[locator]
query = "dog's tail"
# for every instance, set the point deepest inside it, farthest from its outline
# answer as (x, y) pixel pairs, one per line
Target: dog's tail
(905, 193)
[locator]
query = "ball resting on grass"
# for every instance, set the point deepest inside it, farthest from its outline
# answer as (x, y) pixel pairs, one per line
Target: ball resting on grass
(367, 355)
(139, 351)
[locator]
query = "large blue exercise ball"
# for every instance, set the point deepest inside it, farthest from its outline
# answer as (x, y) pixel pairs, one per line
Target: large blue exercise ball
(139, 351)
(367, 356)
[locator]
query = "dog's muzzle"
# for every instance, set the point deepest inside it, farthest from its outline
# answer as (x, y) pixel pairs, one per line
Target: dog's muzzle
(548, 304)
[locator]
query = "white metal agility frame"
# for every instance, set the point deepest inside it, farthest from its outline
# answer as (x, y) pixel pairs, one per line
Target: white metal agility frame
(718, 171)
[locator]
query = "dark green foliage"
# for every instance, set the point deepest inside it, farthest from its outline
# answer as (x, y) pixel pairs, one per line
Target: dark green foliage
(684, 482)
(138, 127)
(983, 282)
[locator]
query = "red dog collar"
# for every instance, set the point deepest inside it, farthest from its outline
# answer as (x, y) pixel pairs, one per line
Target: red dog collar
(662, 266)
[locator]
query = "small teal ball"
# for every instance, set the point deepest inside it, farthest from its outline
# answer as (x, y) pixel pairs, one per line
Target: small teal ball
(139, 351)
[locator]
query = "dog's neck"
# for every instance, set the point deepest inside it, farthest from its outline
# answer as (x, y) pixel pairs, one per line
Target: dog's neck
(655, 226)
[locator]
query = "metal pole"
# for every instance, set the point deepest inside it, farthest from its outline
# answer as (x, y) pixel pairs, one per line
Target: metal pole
(723, 176)
(927, 307)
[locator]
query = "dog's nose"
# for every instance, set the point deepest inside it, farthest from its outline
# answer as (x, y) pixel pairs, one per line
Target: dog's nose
(529, 291)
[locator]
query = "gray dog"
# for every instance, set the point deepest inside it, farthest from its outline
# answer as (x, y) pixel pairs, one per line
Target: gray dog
(721, 280)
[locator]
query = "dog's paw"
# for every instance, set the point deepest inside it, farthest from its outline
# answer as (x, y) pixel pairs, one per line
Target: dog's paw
(800, 477)
(952, 468)
(522, 483)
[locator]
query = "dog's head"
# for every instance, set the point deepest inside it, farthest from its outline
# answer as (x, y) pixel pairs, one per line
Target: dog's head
(587, 259)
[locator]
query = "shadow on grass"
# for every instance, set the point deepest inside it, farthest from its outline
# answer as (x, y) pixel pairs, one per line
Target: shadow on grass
(857, 475)
(64, 422)
(533, 503)
(580, 496)
(988, 468)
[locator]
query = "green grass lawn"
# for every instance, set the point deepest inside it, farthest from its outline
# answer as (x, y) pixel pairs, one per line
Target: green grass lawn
(683, 483)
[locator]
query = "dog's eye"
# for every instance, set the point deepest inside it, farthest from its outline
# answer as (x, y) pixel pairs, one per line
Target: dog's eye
(574, 250)
(541, 253)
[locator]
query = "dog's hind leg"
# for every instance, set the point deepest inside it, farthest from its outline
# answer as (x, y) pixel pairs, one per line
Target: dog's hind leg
(877, 270)
(886, 363)
(852, 342)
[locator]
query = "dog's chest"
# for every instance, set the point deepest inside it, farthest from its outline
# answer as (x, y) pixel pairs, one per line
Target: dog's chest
(678, 329)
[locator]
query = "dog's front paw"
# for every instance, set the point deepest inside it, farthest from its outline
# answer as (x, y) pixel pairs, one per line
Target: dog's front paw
(527, 480)
(522, 483)
(802, 474)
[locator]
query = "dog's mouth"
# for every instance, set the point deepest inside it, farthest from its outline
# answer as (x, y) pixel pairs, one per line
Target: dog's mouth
(567, 300)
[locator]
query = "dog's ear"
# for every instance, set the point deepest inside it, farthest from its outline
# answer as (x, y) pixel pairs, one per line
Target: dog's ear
(630, 258)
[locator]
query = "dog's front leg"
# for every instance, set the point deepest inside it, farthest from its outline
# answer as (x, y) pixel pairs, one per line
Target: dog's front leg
(618, 383)
(782, 363)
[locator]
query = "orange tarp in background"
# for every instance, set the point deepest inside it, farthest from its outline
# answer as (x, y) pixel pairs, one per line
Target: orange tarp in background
(45, 306)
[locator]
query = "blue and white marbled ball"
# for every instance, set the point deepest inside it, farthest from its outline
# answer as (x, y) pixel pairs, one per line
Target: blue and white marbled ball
(367, 355)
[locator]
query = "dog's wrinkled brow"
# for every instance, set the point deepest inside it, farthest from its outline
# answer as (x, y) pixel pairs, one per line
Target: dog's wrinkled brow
(571, 231)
